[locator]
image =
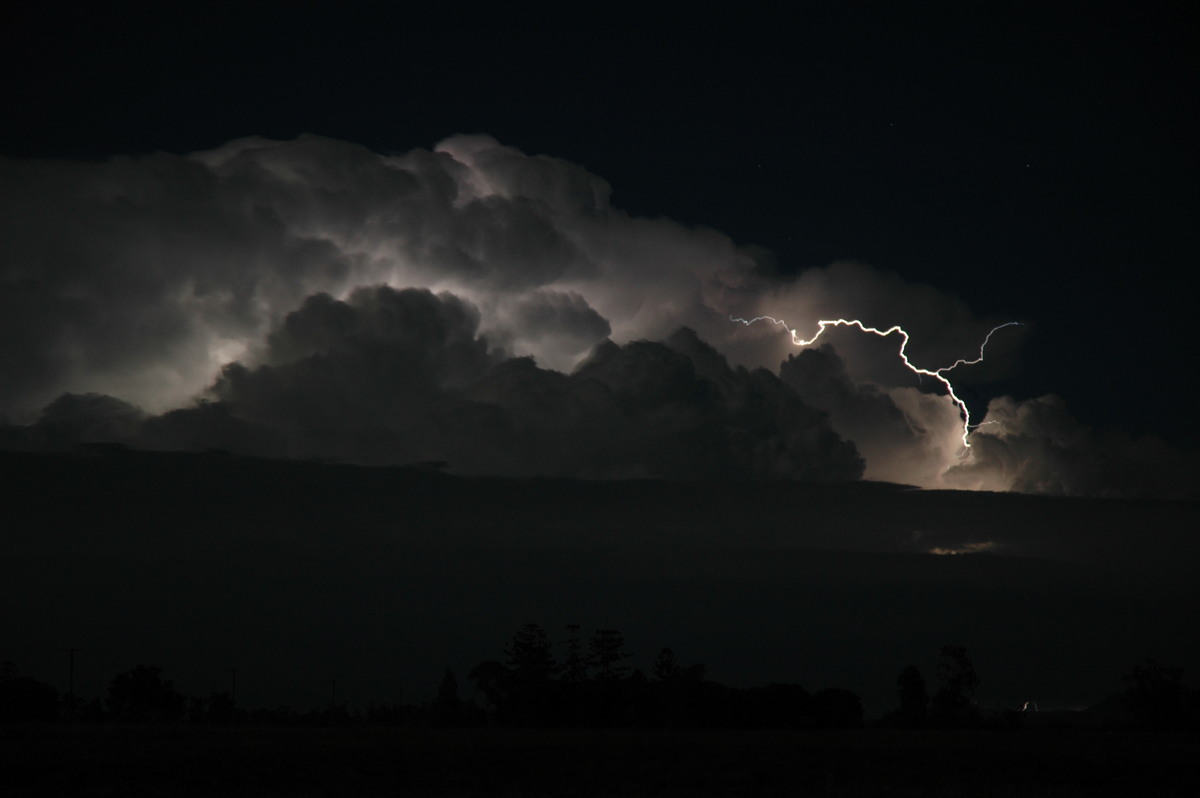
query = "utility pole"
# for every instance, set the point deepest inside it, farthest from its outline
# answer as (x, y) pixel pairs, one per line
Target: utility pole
(233, 695)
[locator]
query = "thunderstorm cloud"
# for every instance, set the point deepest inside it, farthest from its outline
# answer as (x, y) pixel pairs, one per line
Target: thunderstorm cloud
(478, 306)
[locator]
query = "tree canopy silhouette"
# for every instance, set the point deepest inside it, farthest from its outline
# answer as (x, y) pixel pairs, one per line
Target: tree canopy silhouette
(141, 695)
(954, 703)
(24, 699)
(1156, 696)
(606, 654)
(914, 699)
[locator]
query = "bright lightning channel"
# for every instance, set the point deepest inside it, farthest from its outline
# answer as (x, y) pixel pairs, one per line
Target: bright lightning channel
(937, 374)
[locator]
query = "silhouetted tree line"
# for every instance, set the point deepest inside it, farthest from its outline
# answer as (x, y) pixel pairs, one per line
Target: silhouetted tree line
(953, 705)
(591, 685)
(139, 695)
(1155, 699)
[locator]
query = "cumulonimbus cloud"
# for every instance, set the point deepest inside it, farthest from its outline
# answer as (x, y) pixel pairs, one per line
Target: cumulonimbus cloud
(469, 303)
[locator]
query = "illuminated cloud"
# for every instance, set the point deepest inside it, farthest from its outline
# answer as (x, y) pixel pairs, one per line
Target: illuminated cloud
(905, 435)
(475, 304)
(966, 548)
(139, 277)
(1036, 446)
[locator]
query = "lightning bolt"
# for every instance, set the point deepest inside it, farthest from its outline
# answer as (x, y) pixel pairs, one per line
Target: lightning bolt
(937, 374)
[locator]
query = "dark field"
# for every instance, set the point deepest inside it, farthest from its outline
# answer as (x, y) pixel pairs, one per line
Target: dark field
(297, 573)
(134, 761)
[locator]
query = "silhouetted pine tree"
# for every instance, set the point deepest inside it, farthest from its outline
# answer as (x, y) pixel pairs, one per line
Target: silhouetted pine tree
(448, 707)
(528, 694)
(606, 654)
(954, 703)
(914, 699)
(574, 666)
(666, 665)
(529, 654)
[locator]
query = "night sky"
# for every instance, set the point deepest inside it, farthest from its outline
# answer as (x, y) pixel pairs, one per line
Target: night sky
(510, 241)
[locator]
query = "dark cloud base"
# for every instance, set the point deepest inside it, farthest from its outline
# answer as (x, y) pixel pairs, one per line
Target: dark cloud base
(400, 376)
(381, 577)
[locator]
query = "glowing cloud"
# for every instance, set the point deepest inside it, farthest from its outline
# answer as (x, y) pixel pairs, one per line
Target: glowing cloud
(966, 548)
(235, 298)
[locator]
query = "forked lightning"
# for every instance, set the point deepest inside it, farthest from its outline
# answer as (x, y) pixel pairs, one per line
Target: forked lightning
(937, 374)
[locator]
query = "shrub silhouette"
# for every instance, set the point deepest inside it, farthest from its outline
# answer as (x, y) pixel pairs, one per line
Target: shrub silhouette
(25, 699)
(836, 708)
(1156, 696)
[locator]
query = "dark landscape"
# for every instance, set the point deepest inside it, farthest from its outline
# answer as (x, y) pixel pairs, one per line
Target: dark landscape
(333, 599)
(296, 574)
(576, 762)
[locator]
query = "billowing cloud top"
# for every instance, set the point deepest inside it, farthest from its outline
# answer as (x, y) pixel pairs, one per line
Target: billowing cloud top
(470, 304)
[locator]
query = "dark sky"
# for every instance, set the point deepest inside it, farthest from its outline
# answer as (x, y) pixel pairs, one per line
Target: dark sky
(1035, 160)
